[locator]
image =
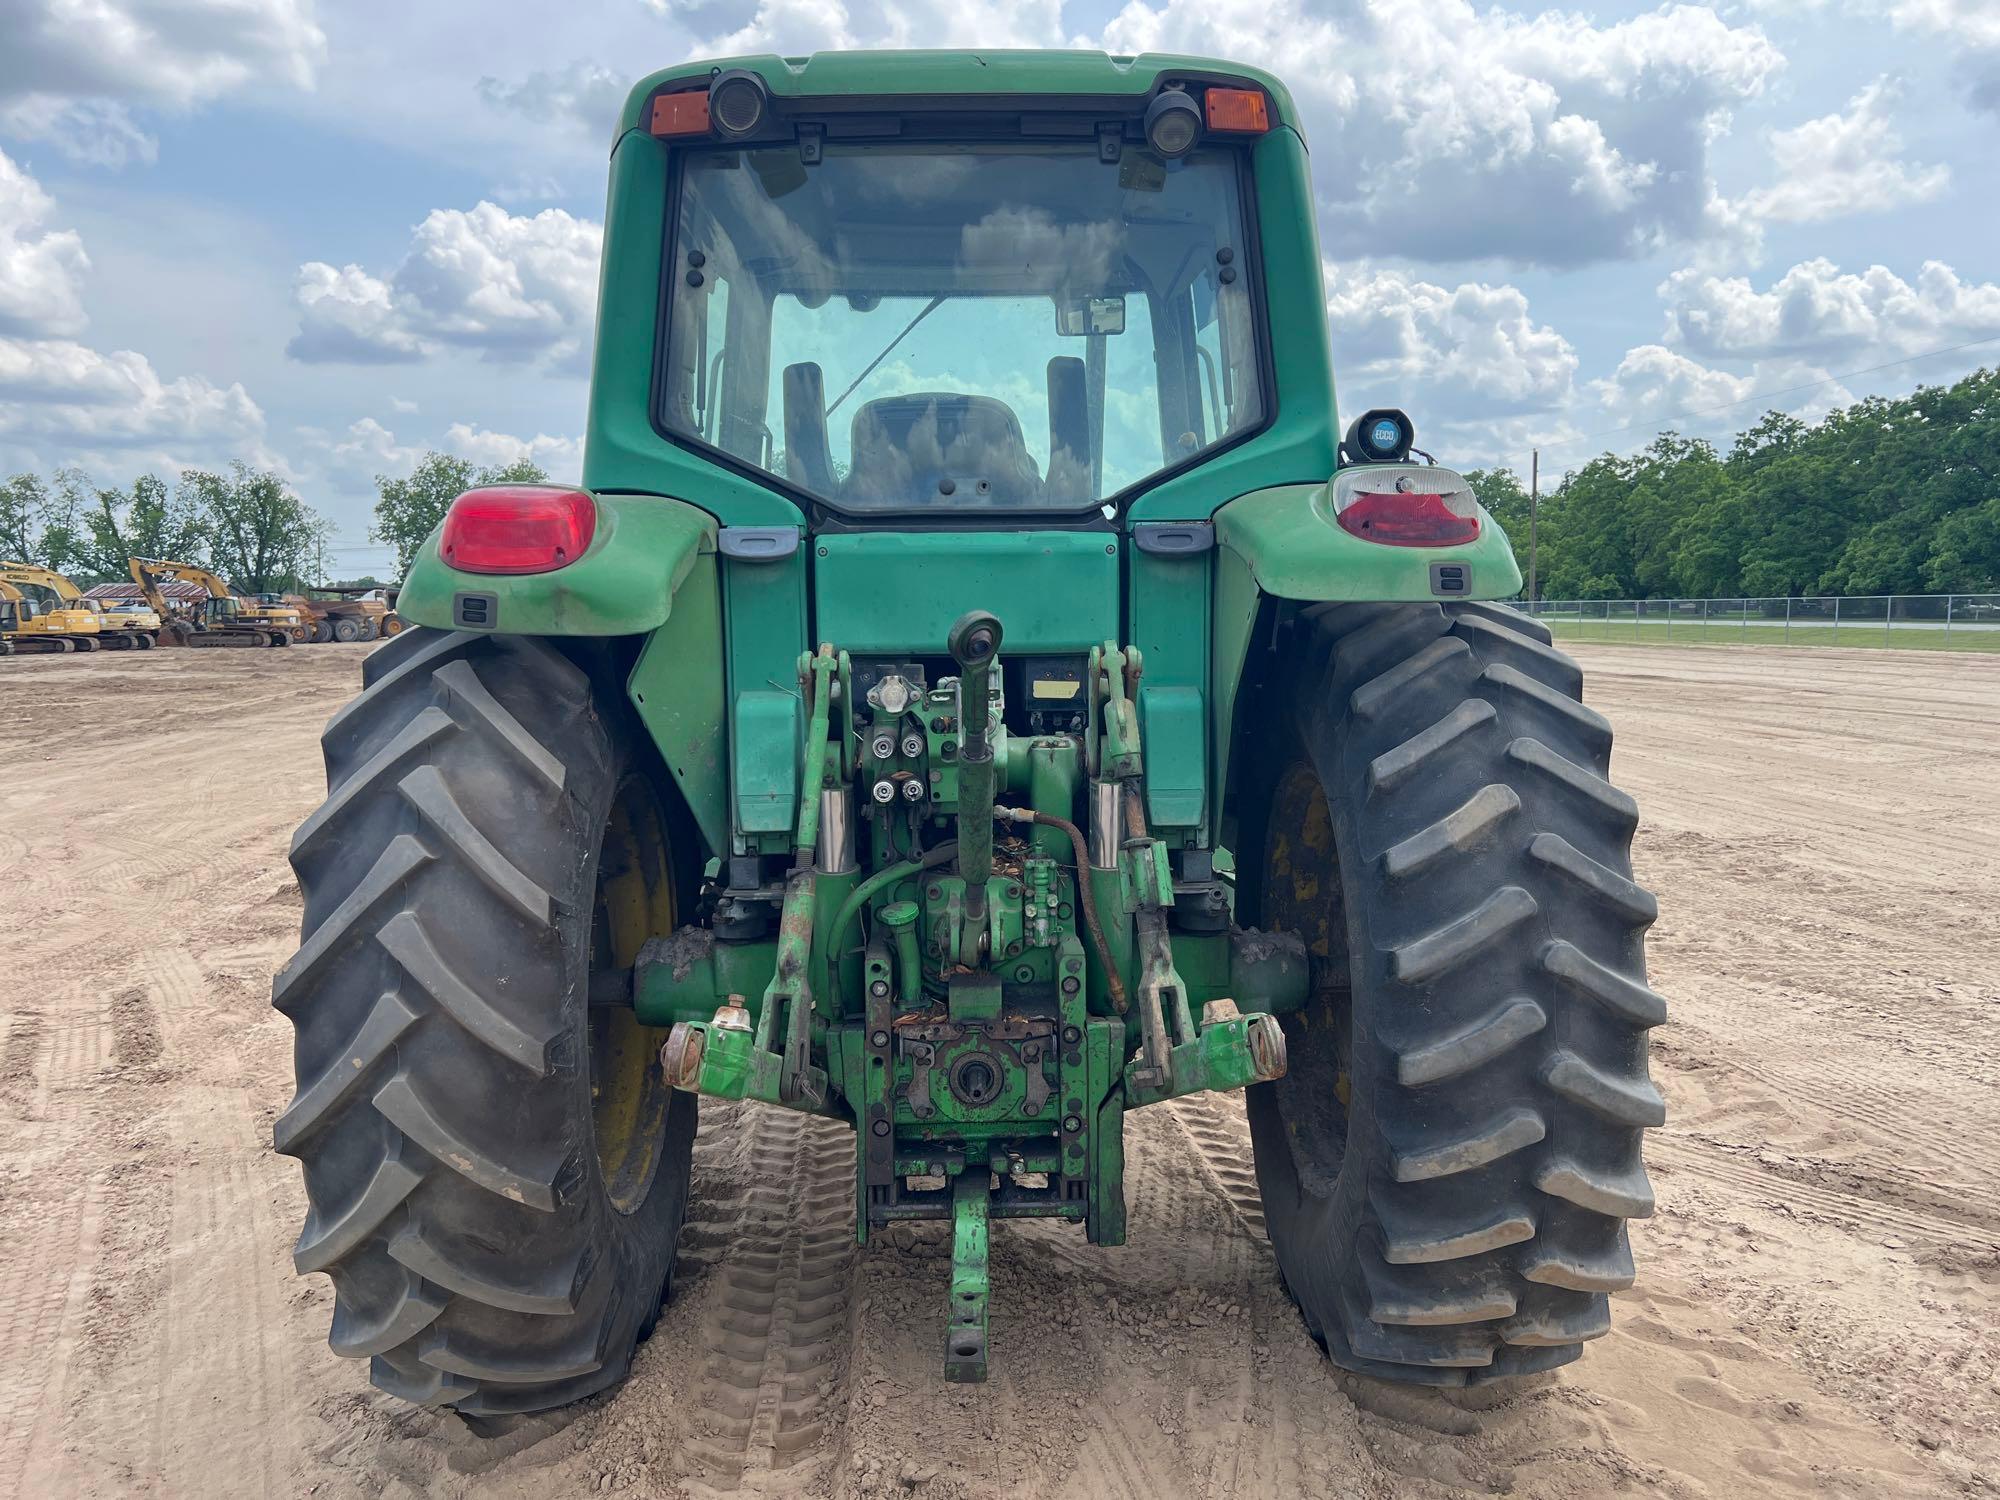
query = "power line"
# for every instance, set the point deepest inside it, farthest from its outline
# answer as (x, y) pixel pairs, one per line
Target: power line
(1790, 390)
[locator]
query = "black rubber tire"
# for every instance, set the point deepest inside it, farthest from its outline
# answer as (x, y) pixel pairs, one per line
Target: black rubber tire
(1480, 992)
(346, 631)
(370, 630)
(444, 1107)
(322, 632)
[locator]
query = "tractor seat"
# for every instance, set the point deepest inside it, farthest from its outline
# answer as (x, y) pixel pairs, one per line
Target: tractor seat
(940, 448)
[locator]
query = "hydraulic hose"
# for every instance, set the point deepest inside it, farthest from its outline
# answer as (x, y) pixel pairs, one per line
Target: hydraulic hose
(942, 854)
(1114, 983)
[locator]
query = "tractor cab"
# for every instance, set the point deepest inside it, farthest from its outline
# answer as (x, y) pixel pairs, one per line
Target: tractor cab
(948, 320)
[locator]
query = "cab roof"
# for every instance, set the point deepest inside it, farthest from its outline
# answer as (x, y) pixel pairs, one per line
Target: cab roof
(915, 74)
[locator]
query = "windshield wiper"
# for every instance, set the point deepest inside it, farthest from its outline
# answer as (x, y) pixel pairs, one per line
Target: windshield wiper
(929, 308)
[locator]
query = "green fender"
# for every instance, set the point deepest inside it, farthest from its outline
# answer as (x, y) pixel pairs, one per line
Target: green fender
(1284, 543)
(644, 548)
(650, 570)
(1288, 540)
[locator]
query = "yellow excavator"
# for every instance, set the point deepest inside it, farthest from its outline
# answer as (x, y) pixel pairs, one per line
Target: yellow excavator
(25, 628)
(118, 626)
(223, 619)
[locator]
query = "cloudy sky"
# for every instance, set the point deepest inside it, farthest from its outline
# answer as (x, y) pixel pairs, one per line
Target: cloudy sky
(327, 237)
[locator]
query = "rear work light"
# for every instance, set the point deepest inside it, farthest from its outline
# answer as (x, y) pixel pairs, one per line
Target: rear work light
(1238, 109)
(1402, 505)
(517, 528)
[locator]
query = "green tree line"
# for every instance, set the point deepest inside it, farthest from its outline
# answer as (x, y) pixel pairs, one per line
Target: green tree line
(245, 524)
(1887, 496)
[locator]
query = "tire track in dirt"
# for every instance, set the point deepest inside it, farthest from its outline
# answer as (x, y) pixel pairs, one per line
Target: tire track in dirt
(775, 1322)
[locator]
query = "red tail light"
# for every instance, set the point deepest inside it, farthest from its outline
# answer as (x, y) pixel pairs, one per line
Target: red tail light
(517, 528)
(1399, 518)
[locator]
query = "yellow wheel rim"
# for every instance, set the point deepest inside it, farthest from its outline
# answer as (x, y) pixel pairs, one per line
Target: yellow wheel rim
(629, 1096)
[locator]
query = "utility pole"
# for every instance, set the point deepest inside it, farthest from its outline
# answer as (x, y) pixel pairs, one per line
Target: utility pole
(1534, 515)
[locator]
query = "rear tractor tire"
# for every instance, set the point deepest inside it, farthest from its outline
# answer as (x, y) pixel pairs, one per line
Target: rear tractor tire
(495, 1170)
(346, 631)
(1449, 1164)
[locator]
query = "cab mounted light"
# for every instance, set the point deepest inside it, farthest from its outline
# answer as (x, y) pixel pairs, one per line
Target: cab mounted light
(1382, 436)
(1173, 123)
(1240, 110)
(738, 102)
(517, 528)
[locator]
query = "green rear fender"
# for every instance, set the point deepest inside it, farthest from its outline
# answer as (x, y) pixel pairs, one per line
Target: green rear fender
(650, 571)
(1284, 543)
(644, 548)
(1289, 543)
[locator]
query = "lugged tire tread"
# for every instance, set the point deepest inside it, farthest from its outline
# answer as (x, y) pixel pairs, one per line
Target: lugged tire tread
(1635, 1104)
(1460, 831)
(1374, 696)
(413, 736)
(1631, 901)
(425, 789)
(1464, 938)
(465, 690)
(399, 1102)
(386, 1023)
(1472, 1046)
(1393, 768)
(1591, 727)
(1513, 1131)
(404, 936)
(1475, 1224)
(1615, 806)
(404, 856)
(454, 1231)
(1631, 1002)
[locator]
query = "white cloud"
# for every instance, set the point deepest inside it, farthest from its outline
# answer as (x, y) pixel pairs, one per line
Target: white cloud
(41, 270)
(1971, 28)
(1473, 347)
(1817, 309)
(1844, 163)
(586, 95)
(61, 395)
(367, 448)
(512, 287)
(54, 391)
(1652, 382)
(1973, 22)
(95, 132)
(346, 315)
(562, 457)
(166, 52)
(1460, 134)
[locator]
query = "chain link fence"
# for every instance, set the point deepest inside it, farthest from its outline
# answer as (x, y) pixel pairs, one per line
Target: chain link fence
(1920, 622)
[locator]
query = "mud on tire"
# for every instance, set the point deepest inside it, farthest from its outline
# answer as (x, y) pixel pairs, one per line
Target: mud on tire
(444, 1109)
(1448, 1167)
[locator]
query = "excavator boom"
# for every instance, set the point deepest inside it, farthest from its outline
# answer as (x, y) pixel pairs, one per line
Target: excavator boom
(227, 620)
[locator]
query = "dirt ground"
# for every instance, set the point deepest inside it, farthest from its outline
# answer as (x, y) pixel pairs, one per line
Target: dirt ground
(1818, 1310)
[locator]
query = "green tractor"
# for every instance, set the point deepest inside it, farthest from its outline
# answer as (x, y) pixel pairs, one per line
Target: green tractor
(977, 691)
